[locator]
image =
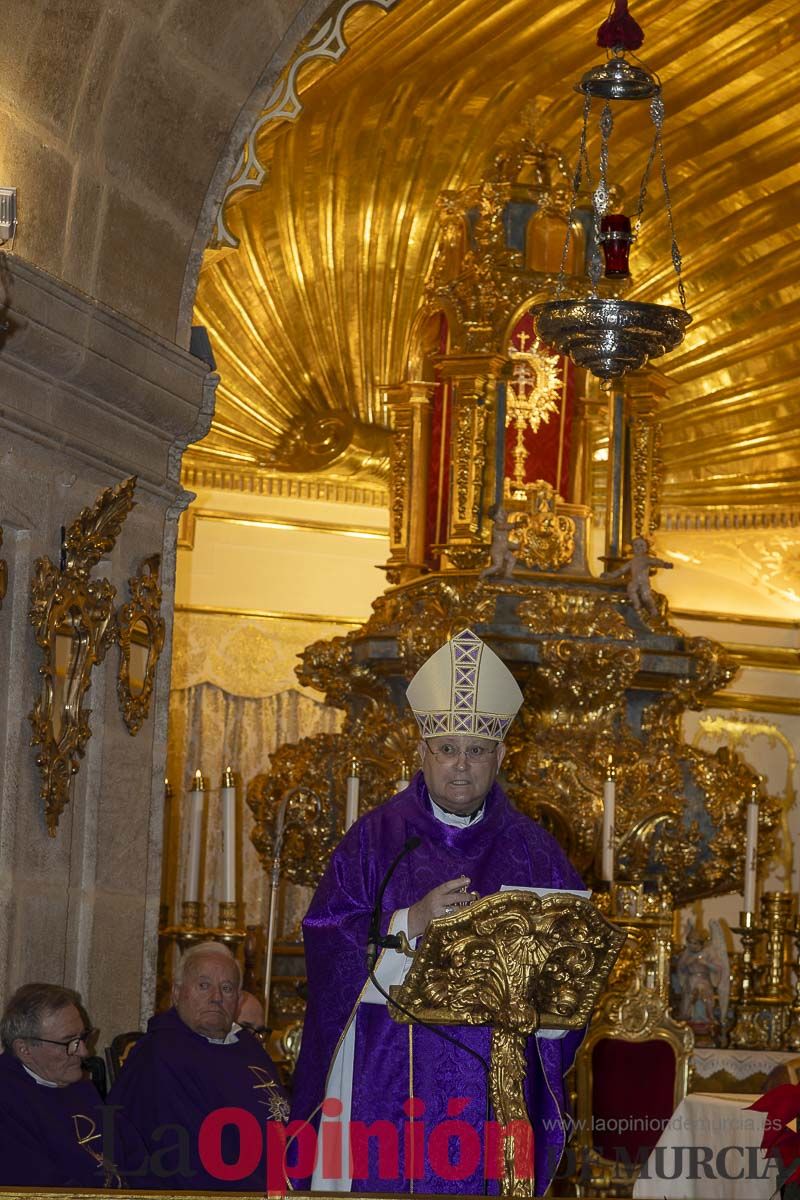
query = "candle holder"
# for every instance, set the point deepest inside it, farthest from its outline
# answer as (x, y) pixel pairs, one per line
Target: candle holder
(776, 915)
(747, 1032)
(189, 932)
(792, 1035)
(230, 929)
(191, 911)
(228, 914)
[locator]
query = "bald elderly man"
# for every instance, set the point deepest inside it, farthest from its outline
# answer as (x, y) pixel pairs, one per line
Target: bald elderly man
(193, 1061)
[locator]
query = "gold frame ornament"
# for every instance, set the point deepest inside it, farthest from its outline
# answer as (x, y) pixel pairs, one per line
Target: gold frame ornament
(72, 615)
(144, 607)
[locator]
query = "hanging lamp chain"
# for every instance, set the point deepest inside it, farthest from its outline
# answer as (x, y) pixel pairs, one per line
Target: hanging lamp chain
(577, 179)
(657, 113)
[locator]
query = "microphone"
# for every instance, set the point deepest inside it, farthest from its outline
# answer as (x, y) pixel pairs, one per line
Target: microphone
(374, 939)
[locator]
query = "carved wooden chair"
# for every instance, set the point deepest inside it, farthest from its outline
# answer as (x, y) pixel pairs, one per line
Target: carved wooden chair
(629, 1081)
(118, 1051)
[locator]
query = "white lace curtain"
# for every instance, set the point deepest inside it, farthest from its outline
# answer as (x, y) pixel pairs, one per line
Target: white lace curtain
(211, 729)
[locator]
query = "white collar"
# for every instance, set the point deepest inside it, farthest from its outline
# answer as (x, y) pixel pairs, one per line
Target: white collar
(230, 1036)
(459, 819)
(38, 1078)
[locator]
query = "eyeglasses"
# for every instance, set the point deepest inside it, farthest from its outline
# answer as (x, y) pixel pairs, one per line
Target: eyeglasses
(449, 752)
(72, 1046)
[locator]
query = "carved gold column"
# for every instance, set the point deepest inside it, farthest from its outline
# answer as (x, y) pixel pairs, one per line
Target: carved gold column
(474, 383)
(399, 480)
(419, 398)
(410, 404)
(646, 391)
(588, 412)
(617, 509)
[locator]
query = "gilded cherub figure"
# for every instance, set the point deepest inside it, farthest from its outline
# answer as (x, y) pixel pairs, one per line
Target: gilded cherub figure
(639, 567)
(502, 556)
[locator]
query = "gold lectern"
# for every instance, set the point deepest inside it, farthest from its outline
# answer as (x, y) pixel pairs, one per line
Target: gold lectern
(517, 961)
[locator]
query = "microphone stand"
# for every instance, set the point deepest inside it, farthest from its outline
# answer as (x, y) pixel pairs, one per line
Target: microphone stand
(400, 942)
(281, 826)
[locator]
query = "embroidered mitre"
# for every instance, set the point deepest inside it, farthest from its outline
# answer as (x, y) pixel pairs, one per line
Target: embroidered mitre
(464, 688)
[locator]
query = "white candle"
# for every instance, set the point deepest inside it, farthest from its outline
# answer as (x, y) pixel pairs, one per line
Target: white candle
(607, 836)
(351, 801)
(402, 782)
(196, 806)
(227, 797)
(751, 857)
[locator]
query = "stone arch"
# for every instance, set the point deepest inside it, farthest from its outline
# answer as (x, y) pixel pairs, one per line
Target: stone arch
(290, 49)
(120, 123)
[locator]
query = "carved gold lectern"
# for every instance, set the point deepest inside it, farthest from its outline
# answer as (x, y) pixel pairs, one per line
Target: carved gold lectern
(517, 962)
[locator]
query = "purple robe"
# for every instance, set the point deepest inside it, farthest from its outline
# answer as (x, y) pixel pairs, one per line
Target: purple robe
(53, 1136)
(175, 1077)
(504, 847)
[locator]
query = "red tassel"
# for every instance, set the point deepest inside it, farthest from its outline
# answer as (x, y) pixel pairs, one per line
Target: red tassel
(620, 31)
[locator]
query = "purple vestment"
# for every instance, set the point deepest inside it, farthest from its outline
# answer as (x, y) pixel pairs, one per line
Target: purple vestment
(175, 1077)
(504, 847)
(52, 1136)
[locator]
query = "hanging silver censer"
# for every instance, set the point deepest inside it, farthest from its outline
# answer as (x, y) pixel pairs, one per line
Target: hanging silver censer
(605, 334)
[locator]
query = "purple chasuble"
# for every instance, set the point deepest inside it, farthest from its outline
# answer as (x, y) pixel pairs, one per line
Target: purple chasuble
(175, 1078)
(393, 1064)
(52, 1136)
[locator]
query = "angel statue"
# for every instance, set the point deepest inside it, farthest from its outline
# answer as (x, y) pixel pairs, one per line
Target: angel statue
(502, 554)
(639, 567)
(703, 972)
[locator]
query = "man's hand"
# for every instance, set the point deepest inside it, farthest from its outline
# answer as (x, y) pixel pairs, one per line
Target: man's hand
(441, 900)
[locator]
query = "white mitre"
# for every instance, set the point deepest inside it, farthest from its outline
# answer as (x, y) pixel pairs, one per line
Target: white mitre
(464, 688)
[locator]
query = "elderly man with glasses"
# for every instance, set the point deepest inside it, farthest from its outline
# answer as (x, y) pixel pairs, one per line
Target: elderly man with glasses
(455, 836)
(52, 1128)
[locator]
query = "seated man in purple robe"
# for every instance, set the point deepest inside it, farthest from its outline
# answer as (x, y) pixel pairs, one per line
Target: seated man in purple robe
(52, 1127)
(193, 1062)
(461, 836)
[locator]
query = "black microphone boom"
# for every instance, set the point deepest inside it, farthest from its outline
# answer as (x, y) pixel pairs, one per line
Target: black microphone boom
(374, 939)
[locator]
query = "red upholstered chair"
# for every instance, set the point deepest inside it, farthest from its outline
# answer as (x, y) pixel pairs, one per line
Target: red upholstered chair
(629, 1083)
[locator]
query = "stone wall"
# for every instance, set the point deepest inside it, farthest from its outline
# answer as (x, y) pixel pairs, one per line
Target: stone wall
(120, 121)
(121, 124)
(88, 398)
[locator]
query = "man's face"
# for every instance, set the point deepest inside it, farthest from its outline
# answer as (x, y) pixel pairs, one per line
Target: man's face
(460, 770)
(208, 996)
(52, 1062)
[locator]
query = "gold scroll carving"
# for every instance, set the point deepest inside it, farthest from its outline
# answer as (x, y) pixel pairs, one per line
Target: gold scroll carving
(72, 616)
(139, 629)
(545, 538)
(516, 962)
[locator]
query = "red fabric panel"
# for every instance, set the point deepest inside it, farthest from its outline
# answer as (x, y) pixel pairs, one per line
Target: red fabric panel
(542, 446)
(633, 1084)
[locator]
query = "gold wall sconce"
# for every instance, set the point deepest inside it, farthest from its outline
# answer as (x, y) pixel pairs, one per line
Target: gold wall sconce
(140, 633)
(72, 616)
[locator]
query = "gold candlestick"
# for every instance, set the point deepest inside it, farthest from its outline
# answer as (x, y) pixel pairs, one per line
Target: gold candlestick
(190, 915)
(228, 914)
(793, 1030)
(776, 914)
(230, 929)
(747, 1032)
